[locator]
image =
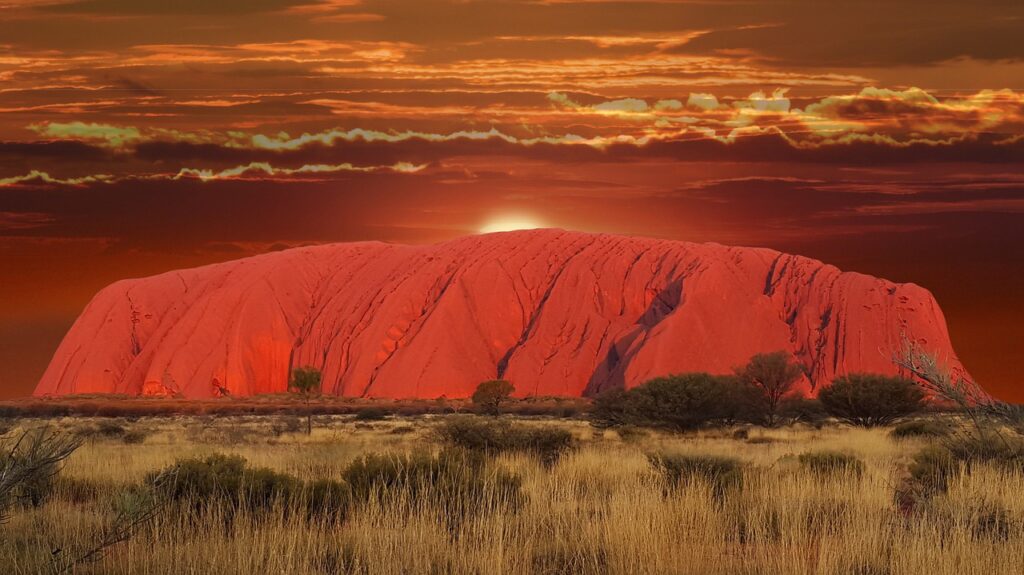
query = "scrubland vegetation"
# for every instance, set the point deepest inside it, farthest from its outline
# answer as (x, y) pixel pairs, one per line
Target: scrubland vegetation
(688, 474)
(468, 494)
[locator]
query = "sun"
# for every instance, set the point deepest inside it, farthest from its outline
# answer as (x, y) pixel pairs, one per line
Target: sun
(509, 223)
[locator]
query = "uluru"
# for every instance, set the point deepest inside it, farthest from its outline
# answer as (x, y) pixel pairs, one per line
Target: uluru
(558, 313)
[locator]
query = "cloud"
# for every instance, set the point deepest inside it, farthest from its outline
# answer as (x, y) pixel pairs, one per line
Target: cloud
(114, 136)
(42, 177)
(265, 169)
(702, 101)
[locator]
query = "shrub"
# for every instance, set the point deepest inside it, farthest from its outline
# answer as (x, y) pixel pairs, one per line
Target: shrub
(721, 473)
(489, 395)
(614, 408)
(491, 437)
(226, 481)
(920, 428)
(1002, 451)
(931, 470)
(109, 428)
(870, 400)
(631, 433)
(30, 463)
(134, 437)
(326, 498)
(802, 410)
(681, 403)
(371, 414)
(831, 462)
(775, 375)
(458, 481)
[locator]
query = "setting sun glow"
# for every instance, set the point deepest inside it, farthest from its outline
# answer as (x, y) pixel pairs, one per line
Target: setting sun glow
(510, 223)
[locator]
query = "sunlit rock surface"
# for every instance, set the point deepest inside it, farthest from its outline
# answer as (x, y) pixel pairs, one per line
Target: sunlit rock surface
(555, 312)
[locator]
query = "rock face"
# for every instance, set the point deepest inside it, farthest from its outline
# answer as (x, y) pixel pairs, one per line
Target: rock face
(555, 312)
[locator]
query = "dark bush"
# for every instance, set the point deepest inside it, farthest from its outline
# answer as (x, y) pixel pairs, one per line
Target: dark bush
(721, 473)
(920, 428)
(326, 498)
(870, 400)
(615, 408)
(797, 409)
(831, 462)
(775, 375)
(489, 395)
(992, 523)
(134, 437)
(681, 403)
(371, 414)
(931, 470)
(458, 481)
(1004, 451)
(493, 437)
(110, 428)
(228, 482)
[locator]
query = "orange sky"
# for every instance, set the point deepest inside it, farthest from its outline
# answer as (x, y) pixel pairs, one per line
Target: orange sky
(141, 135)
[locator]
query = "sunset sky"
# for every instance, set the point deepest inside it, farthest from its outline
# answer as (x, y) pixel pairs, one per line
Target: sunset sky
(138, 136)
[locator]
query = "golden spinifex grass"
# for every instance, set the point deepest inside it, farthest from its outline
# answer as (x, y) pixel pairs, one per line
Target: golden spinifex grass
(600, 509)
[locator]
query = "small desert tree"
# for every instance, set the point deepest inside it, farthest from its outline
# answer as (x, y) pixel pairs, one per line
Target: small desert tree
(871, 400)
(489, 395)
(775, 374)
(305, 382)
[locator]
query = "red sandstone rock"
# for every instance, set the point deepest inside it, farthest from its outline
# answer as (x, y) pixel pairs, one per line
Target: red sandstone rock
(555, 312)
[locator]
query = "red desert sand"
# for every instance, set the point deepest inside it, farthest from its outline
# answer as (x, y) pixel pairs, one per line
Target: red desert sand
(555, 312)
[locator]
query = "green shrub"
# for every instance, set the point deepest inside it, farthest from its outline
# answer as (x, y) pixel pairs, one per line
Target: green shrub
(831, 462)
(227, 482)
(920, 428)
(493, 437)
(721, 473)
(456, 481)
(371, 414)
(870, 400)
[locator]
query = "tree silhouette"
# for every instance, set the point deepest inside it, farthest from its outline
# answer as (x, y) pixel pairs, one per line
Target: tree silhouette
(305, 382)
